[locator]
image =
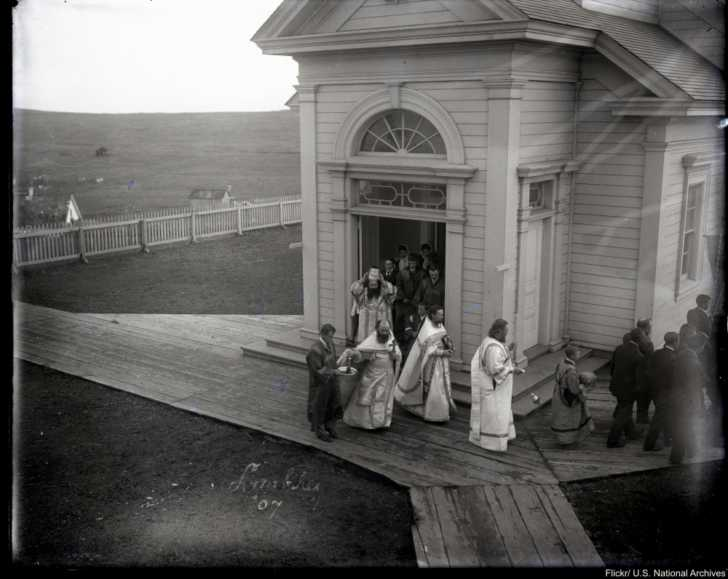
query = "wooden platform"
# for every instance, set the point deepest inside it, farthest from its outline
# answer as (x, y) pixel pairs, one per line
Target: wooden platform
(194, 363)
(498, 526)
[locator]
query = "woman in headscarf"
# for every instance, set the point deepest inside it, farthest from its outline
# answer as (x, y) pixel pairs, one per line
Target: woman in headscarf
(571, 421)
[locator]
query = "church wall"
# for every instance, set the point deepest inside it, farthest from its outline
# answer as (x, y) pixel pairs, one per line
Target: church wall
(605, 231)
(693, 137)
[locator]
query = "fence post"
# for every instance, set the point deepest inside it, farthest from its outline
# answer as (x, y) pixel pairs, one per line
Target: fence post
(192, 226)
(82, 244)
(280, 209)
(240, 220)
(143, 235)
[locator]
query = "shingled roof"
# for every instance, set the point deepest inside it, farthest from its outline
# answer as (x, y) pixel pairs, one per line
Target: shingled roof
(653, 45)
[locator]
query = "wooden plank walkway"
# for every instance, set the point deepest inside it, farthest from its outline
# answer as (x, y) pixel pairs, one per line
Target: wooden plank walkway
(498, 526)
(473, 507)
(194, 363)
(591, 458)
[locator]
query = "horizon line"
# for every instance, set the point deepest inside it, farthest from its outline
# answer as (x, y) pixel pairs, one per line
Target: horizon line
(282, 110)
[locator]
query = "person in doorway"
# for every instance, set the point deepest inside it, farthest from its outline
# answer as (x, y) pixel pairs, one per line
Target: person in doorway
(402, 258)
(408, 282)
(390, 272)
(373, 299)
(411, 328)
(427, 256)
(626, 367)
(571, 421)
(371, 402)
(432, 288)
(324, 403)
(491, 378)
(688, 399)
(423, 387)
(647, 348)
(661, 375)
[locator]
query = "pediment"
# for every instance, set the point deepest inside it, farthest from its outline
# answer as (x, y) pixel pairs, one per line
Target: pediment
(331, 16)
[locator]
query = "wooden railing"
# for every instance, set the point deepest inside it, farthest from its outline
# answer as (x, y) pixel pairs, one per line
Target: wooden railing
(56, 243)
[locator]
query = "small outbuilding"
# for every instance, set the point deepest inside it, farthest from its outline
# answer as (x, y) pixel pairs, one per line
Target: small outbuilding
(206, 199)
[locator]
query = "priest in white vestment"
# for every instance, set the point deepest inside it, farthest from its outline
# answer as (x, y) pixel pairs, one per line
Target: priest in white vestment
(373, 299)
(491, 375)
(424, 388)
(371, 403)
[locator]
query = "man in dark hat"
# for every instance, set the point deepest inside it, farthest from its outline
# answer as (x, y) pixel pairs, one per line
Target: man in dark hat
(661, 375)
(626, 366)
(324, 402)
(643, 384)
(687, 399)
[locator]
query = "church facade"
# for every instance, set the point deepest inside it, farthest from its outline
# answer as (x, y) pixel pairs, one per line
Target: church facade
(564, 158)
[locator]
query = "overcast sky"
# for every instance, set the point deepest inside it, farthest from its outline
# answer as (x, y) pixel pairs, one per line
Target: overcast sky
(124, 56)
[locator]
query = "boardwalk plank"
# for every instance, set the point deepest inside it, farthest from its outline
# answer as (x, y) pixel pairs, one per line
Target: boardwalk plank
(482, 528)
(550, 547)
(459, 544)
(562, 516)
(429, 527)
(519, 545)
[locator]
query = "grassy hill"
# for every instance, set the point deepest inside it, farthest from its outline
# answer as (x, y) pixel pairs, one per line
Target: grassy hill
(164, 156)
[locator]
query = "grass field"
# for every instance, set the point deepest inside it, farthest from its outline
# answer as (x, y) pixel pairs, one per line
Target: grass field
(165, 155)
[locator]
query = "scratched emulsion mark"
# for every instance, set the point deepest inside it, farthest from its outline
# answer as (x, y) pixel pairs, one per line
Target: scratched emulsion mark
(268, 494)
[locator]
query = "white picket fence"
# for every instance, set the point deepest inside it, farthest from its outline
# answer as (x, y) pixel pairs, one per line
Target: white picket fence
(34, 245)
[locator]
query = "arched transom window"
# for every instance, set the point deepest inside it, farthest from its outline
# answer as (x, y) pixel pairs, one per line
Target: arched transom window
(402, 132)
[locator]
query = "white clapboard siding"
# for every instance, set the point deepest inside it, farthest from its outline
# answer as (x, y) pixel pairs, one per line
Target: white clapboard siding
(695, 31)
(645, 10)
(374, 14)
(671, 313)
(606, 221)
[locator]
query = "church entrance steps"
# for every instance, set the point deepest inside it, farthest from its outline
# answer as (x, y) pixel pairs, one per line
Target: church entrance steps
(517, 525)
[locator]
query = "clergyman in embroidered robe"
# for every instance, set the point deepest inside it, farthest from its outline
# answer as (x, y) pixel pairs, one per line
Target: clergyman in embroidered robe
(373, 299)
(571, 421)
(491, 374)
(423, 387)
(378, 358)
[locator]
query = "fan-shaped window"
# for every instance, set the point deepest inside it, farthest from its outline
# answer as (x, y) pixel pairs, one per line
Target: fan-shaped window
(400, 131)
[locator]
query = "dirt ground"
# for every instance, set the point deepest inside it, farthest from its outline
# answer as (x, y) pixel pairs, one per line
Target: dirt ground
(105, 478)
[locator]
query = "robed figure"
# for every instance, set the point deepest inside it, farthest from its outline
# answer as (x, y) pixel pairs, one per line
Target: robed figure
(378, 358)
(373, 300)
(571, 421)
(491, 375)
(424, 386)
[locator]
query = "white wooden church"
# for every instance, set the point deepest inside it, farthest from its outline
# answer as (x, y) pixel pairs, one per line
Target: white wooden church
(564, 157)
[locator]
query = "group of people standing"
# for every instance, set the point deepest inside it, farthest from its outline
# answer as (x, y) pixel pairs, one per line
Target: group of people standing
(418, 378)
(679, 379)
(401, 351)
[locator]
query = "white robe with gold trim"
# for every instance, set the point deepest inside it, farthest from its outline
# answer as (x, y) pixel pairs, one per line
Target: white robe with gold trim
(491, 415)
(372, 401)
(424, 387)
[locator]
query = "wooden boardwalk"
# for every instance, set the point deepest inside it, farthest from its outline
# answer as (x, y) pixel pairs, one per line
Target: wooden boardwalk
(502, 499)
(498, 526)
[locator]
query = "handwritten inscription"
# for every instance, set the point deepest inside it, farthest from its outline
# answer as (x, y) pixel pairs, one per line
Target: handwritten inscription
(266, 492)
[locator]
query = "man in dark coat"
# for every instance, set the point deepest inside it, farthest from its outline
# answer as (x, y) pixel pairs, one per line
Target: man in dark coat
(324, 402)
(643, 383)
(687, 398)
(699, 317)
(432, 288)
(626, 366)
(408, 281)
(409, 333)
(661, 374)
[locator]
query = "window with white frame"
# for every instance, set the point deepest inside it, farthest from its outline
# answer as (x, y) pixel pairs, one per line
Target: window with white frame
(402, 132)
(690, 237)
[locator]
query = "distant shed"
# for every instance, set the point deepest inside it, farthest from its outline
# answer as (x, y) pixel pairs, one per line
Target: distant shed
(206, 199)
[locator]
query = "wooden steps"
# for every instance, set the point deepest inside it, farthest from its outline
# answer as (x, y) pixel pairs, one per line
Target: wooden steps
(498, 526)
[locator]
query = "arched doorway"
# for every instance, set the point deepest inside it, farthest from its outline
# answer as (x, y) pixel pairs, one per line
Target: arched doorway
(398, 171)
